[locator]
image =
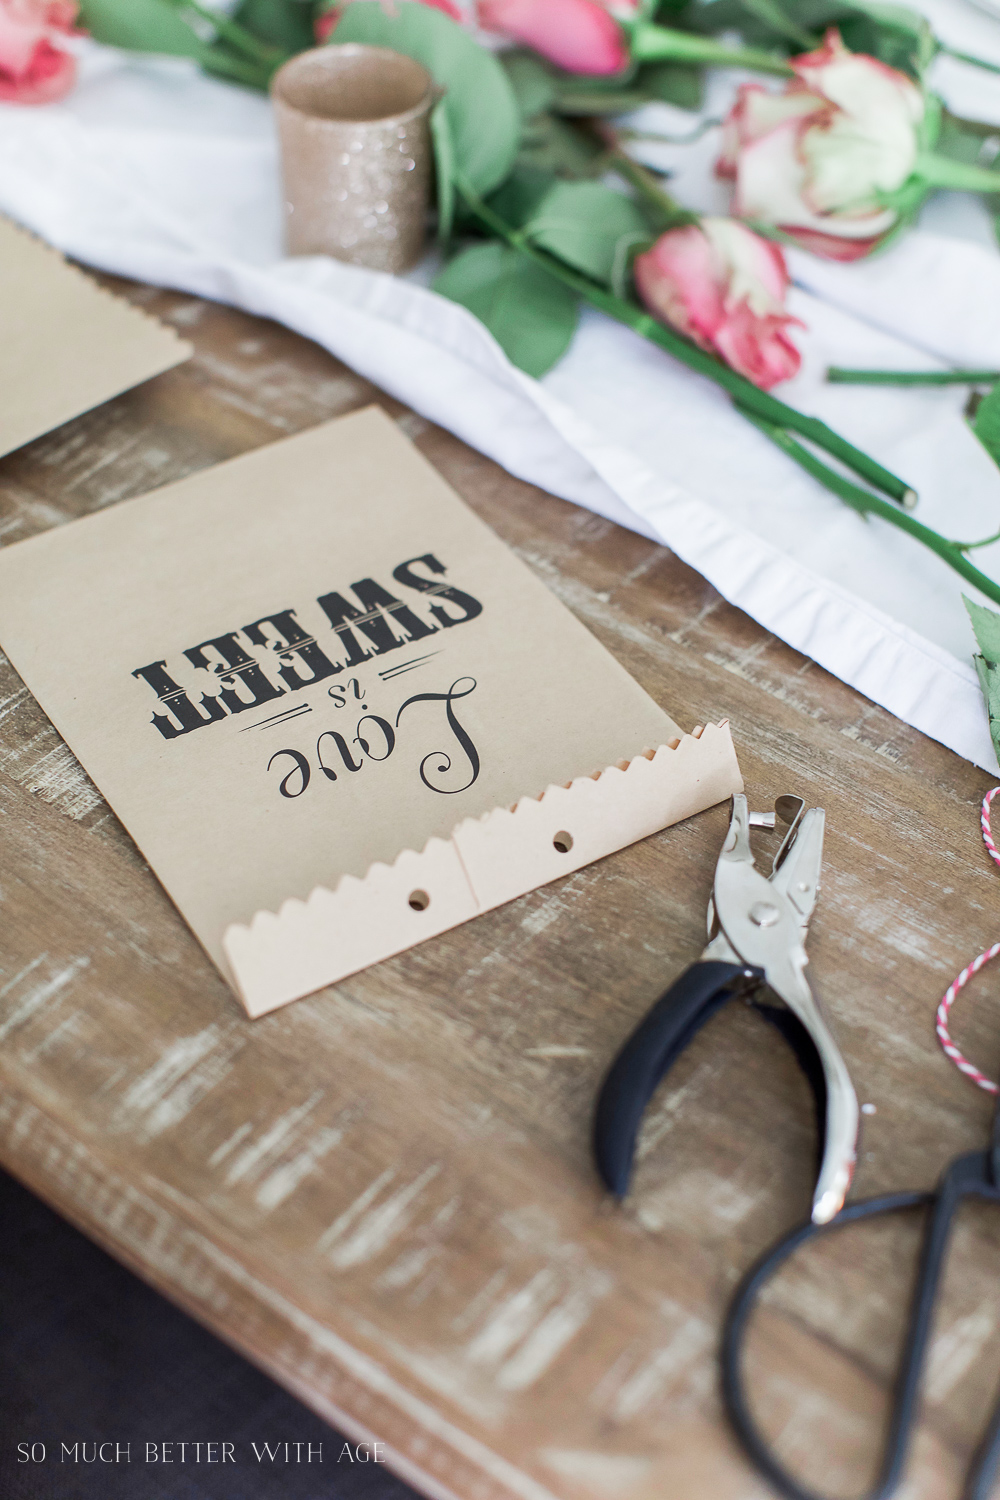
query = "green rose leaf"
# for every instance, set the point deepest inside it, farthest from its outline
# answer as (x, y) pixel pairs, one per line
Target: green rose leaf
(283, 23)
(771, 15)
(986, 426)
(444, 169)
(586, 102)
(989, 678)
(523, 193)
(184, 28)
(550, 144)
(533, 84)
(483, 116)
(531, 315)
(589, 226)
(986, 625)
(141, 26)
(673, 83)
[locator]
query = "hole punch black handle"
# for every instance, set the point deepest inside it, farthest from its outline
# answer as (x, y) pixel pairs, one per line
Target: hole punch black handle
(647, 1056)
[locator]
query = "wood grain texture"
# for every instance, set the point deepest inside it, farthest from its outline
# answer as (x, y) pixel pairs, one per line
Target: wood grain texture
(383, 1194)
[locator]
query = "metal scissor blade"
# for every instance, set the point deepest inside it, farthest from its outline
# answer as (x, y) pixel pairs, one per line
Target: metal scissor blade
(798, 876)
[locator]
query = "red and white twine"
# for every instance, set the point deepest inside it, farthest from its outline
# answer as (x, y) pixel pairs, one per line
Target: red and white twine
(951, 994)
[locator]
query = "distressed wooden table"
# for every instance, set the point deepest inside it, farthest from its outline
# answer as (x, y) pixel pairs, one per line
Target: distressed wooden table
(383, 1194)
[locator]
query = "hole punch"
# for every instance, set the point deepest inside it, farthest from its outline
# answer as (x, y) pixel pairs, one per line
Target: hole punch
(563, 841)
(419, 900)
(757, 926)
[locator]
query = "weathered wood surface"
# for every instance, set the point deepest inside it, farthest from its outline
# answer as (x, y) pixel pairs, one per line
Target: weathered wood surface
(383, 1194)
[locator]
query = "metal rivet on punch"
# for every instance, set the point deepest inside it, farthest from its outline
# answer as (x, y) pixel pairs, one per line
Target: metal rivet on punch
(763, 914)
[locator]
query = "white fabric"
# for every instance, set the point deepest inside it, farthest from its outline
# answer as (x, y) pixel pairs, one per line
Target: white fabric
(153, 171)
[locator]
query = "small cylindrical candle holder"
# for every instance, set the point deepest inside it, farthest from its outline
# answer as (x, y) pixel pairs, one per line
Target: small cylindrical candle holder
(354, 127)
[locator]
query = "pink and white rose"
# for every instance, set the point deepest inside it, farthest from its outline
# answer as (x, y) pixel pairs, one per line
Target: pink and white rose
(814, 161)
(326, 22)
(578, 35)
(724, 287)
(34, 68)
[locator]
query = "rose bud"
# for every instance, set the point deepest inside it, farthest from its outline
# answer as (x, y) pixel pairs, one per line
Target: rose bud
(724, 287)
(815, 160)
(578, 35)
(32, 69)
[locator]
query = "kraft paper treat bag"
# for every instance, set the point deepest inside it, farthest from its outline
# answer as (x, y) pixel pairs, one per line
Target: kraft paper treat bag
(335, 712)
(66, 344)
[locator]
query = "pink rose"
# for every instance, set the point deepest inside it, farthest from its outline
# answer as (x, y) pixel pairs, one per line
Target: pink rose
(578, 35)
(326, 22)
(32, 69)
(724, 287)
(814, 160)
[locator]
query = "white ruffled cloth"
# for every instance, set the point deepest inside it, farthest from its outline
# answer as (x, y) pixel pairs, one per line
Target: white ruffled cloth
(153, 171)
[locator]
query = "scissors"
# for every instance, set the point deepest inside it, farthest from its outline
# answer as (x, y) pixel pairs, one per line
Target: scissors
(975, 1175)
(757, 927)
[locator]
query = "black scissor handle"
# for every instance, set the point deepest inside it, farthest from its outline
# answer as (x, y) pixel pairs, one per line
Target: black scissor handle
(658, 1041)
(966, 1177)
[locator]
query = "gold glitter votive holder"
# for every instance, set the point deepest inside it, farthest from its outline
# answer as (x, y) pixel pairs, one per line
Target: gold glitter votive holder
(353, 122)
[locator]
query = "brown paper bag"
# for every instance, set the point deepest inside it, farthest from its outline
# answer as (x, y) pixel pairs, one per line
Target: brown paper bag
(335, 712)
(66, 344)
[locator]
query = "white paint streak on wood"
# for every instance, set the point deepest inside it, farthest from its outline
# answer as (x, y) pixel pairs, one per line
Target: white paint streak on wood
(56, 776)
(440, 1371)
(514, 1319)
(598, 1473)
(680, 1358)
(414, 1261)
(549, 1338)
(818, 1423)
(955, 1349)
(68, 1030)
(554, 1050)
(484, 1298)
(283, 1181)
(229, 1144)
(407, 1268)
(255, 1159)
(522, 1336)
(22, 974)
(37, 995)
(700, 1202)
(412, 425)
(378, 1380)
(11, 703)
(188, 1069)
(536, 921)
(188, 314)
(378, 1226)
(354, 1210)
(660, 1120)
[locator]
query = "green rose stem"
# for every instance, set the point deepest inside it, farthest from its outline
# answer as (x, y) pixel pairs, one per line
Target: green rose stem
(651, 43)
(967, 57)
(255, 61)
(744, 393)
(987, 541)
(669, 212)
(863, 501)
(945, 172)
(838, 375)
